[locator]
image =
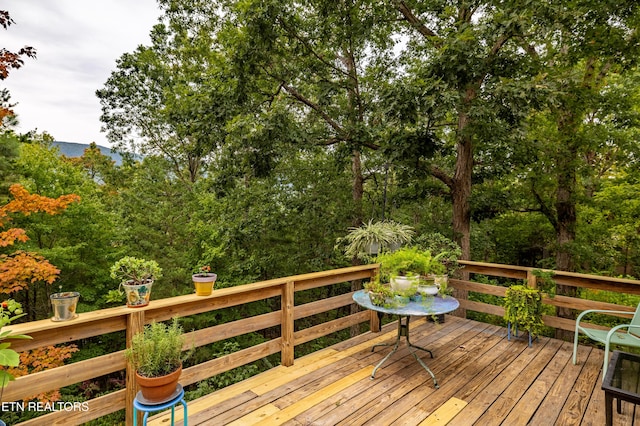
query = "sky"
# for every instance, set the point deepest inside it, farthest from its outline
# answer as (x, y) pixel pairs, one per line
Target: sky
(77, 44)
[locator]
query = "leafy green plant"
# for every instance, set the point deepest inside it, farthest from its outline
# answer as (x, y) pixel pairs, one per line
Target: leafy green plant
(383, 235)
(378, 292)
(10, 310)
(202, 271)
(157, 351)
(134, 271)
(523, 307)
(409, 261)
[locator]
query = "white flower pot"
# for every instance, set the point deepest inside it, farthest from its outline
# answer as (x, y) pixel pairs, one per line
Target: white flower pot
(401, 283)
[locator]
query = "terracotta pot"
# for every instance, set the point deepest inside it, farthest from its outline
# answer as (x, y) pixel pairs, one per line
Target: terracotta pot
(158, 389)
(204, 283)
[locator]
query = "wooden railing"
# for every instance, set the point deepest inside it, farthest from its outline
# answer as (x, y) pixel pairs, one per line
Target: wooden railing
(132, 321)
(97, 323)
(594, 282)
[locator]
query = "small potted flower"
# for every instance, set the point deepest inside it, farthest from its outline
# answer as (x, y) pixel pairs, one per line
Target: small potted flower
(203, 280)
(136, 277)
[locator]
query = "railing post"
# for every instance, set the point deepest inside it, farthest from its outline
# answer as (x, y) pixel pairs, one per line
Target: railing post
(532, 281)
(286, 325)
(135, 325)
(374, 320)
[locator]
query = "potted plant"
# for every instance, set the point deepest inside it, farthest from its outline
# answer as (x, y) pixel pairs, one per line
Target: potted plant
(406, 266)
(374, 237)
(378, 293)
(523, 309)
(10, 310)
(203, 280)
(156, 356)
(136, 277)
(448, 253)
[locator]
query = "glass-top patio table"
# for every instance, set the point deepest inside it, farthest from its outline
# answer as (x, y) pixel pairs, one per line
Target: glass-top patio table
(429, 306)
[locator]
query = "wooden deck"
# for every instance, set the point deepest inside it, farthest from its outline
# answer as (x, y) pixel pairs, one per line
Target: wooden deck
(484, 379)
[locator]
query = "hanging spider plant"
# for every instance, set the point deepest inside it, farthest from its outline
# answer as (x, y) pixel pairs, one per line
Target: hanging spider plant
(376, 237)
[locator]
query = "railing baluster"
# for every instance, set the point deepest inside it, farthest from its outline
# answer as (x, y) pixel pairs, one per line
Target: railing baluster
(286, 326)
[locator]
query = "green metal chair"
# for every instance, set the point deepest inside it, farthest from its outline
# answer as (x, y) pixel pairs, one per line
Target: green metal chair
(623, 334)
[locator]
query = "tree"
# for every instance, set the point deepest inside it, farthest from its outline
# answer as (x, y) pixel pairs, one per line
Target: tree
(8, 153)
(485, 65)
(21, 268)
(154, 211)
(172, 98)
(79, 242)
(324, 65)
(468, 66)
(99, 166)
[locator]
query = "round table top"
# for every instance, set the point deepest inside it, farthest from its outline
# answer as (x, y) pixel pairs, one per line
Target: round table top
(432, 305)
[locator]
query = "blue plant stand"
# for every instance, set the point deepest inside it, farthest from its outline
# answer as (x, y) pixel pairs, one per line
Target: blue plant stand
(515, 328)
(139, 404)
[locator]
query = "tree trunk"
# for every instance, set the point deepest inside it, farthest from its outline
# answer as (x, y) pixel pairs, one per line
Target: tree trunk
(357, 192)
(566, 226)
(358, 188)
(461, 192)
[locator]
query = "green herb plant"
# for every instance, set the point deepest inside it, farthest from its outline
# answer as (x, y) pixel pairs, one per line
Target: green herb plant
(157, 351)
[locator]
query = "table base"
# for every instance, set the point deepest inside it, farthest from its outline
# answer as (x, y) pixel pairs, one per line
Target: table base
(403, 330)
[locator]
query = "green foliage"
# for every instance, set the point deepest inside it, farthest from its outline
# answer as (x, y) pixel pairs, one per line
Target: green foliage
(545, 281)
(523, 307)
(372, 237)
(8, 154)
(157, 351)
(10, 310)
(448, 252)
(79, 242)
(408, 261)
(136, 271)
(378, 292)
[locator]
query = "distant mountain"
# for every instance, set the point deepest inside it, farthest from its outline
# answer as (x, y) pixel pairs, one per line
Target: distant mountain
(72, 149)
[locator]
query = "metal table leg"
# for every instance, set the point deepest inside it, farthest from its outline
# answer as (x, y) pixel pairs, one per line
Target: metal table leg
(403, 330)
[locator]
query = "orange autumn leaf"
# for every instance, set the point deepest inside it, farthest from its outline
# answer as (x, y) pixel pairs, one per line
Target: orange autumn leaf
(41, 359)
(27, 203)
(22, 268)
(9, 237)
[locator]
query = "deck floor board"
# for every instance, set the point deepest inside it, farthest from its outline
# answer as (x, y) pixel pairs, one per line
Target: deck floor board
(484, 379)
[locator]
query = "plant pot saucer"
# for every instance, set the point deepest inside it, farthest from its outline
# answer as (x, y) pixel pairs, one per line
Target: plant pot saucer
(54, 319)
(141, 399)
